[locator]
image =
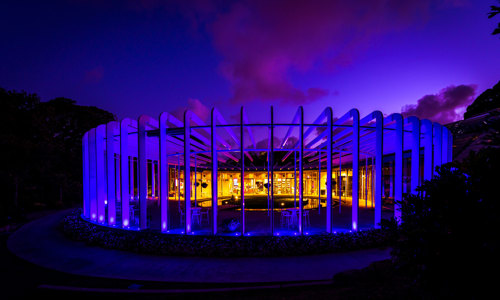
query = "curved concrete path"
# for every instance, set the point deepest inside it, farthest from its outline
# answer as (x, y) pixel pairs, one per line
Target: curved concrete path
(40, 242)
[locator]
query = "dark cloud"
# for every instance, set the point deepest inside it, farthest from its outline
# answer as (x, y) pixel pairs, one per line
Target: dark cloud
(443, 107)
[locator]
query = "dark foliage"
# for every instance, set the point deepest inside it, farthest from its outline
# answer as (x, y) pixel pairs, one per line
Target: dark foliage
(495, 10)
(41, 144)
(488, 100)
(153, 242)
(448, 239)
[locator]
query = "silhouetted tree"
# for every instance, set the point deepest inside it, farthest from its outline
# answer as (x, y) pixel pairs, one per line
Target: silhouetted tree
(448, 240)
(495, 10)
(40, 162)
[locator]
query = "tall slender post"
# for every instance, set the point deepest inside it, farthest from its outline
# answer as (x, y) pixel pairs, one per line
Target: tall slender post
(415, 153)
(187, 169)
(178, 168)
(268, 181)
(242, 172)
(131, 162)
(195, 182)
(340, 182)
(427, 126)
(445, 140)
(438, 140)
(271, 162)
(355, 168)
(110, 170)
(319, 182)
(125, 175)
(213, 149)
(86, 176)
(329, 127)
(142, 164)
(301, 168)
(450, 147)
(153, 180)
(163, 171)
(92, 176)
(366, 181)
(294, 178)
(398, 165)
(101, 173)
(379, 136)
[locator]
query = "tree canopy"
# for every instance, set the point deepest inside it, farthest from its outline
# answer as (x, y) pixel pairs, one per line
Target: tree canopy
(41, 149)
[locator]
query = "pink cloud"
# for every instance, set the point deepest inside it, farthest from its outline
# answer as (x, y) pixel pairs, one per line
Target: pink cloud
(197, 107)
(263, 42)
(94, 75)
(444, 106)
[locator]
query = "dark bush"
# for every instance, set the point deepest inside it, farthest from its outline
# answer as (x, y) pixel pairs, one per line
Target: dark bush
(153, 242)
(448, 240)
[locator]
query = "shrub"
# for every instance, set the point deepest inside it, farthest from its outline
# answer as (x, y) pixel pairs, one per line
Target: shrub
(154, 242)
(448, 236)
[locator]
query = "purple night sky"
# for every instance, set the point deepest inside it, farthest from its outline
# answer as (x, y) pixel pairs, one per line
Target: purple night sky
(145, 57)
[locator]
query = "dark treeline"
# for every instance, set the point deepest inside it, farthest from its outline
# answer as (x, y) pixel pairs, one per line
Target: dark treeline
(41, 150)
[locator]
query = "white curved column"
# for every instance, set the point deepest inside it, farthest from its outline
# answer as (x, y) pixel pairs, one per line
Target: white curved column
(92, 176)
(110, 172)
(415, 152)
(301, 167)
(142, 162)
(86, 178)
(100, 173)
(124, 172)
(398, 165)
(163, 171)
(426, 125)
(379, 139)
(329, 127)
(242, 171)
(213, 149)
(445, 145)
(438, 146)
(187, 169)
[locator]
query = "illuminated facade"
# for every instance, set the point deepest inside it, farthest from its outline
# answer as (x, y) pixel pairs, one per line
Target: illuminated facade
(271, 178)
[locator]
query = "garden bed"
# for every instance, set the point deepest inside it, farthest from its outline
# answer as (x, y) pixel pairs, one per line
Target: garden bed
(154, 242)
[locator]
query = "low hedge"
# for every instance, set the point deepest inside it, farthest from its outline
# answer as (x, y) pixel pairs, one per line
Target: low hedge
(154, 242)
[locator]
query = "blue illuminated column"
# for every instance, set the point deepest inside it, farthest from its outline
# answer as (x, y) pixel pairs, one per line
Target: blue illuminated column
(301, 167)
(329, 127)
(124, 166)
(437, 145)
(450, 147)
(142, 163)
(398, 165)
(271, 169)
(213, 150)
(86, 178)
(187, 169)
(379, 136)
(445, 145)
(163, 170)
(354, 113)
(100, 173)
(415, 152)
(110, 171)
(426, 125)
(379, 146)
(242, 172)
(92, 176)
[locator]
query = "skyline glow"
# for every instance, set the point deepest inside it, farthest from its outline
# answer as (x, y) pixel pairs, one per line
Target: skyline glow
(140, 57)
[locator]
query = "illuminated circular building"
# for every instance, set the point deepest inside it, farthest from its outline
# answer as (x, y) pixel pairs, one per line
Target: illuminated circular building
(244, 178)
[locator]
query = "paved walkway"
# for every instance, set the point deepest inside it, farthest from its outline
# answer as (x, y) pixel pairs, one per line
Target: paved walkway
(40, 242)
